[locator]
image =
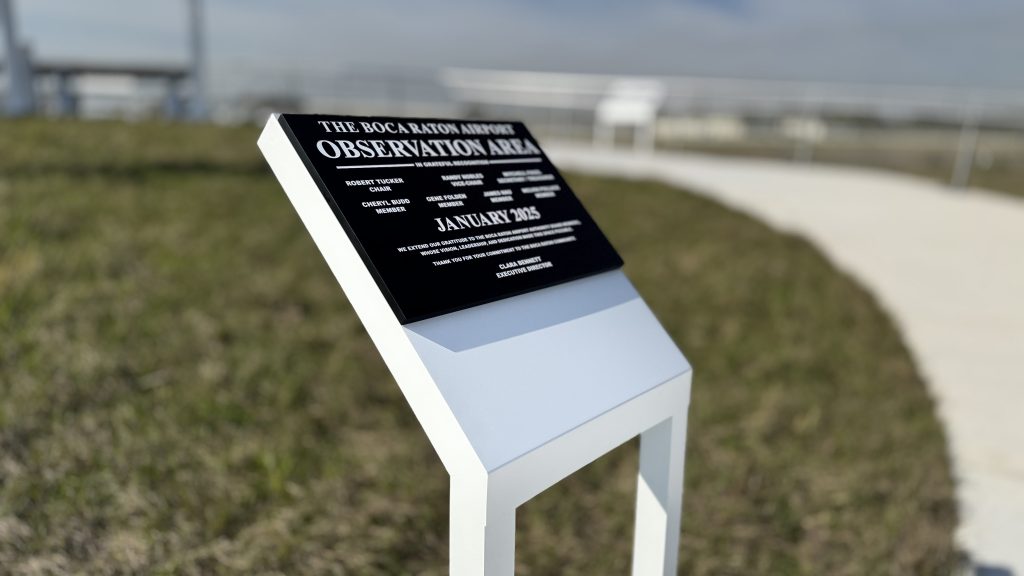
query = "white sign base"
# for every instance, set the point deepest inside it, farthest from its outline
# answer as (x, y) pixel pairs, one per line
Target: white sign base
(517, 394)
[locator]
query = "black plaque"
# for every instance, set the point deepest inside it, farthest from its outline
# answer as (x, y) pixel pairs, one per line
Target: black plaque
(449, 214)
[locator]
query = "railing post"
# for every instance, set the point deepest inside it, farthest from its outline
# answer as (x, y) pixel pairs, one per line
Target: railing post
(967, 148)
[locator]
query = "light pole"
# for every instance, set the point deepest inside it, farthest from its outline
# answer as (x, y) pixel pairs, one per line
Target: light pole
(20, 99)
(197, 105)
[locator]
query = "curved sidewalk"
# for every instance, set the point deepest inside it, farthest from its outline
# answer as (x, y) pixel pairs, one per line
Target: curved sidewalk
(947, 265)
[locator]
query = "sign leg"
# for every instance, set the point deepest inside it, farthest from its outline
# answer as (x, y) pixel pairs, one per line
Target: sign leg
(659, 498)
(482, 537)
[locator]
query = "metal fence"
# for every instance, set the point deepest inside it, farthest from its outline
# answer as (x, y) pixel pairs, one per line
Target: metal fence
(939, 131)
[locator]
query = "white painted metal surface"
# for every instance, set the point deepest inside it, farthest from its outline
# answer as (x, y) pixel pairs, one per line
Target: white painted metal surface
(550, 372)
(517, 394)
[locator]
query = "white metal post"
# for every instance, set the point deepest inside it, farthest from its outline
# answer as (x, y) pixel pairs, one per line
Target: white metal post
(803, 151)
(197, 106)
(20, 96)
(482, 533)
(173, 106)
(659, 498)
(645, 136)
(966, 148)
(604, 134)
(67, 100)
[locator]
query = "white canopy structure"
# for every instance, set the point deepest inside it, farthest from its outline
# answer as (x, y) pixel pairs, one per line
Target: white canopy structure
(21, 71)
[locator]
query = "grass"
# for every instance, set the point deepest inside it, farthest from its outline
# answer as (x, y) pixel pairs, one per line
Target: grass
(184, 390)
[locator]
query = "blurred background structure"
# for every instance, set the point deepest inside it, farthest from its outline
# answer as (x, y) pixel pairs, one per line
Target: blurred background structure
(957, 133)
(97, 88)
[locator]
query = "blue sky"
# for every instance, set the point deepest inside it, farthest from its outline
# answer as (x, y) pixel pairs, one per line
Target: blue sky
(940, 42)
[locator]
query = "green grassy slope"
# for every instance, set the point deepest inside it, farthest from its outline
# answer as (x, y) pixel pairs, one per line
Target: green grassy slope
(184, 390)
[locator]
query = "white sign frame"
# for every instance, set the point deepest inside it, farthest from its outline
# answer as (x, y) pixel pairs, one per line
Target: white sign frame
(517, 394)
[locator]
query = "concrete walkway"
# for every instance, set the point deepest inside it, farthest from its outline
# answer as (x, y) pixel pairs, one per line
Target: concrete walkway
(949, 268)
